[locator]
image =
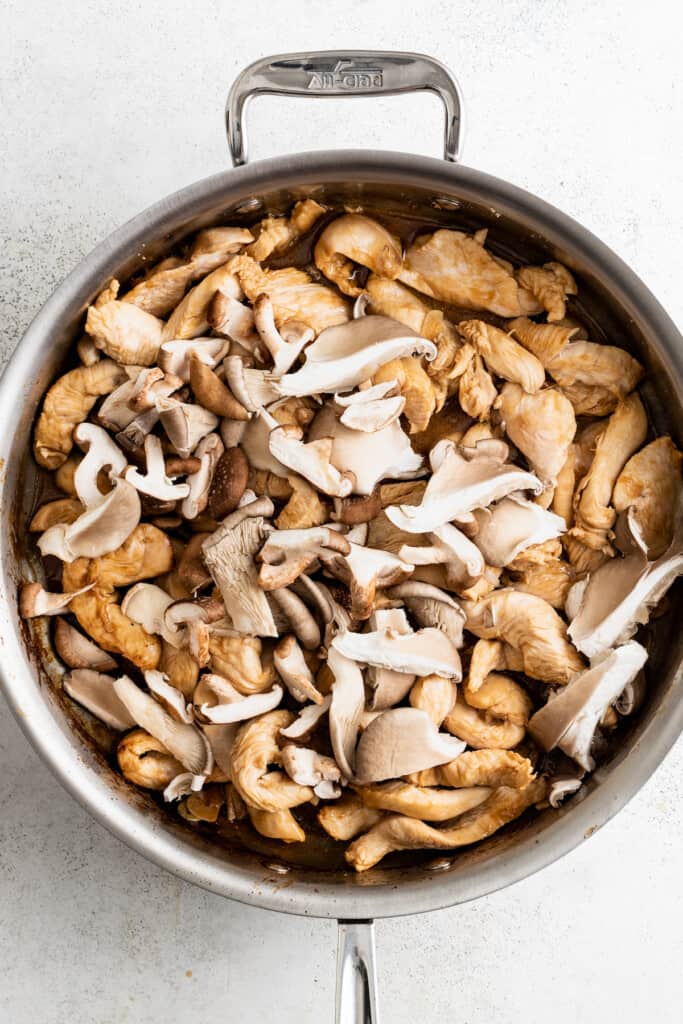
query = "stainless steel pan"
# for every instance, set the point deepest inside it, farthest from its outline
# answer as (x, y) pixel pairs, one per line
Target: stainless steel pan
(614, 302)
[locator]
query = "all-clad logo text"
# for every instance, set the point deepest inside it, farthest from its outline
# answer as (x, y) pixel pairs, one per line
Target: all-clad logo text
(346, 76)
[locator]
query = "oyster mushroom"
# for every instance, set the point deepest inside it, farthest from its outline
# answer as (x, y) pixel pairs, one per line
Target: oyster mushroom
(34, 600)
(372, 409)
(597, 366)
(284, 345)
(123, 331)
(431, 606)
(307, 720)
(458, 485)
(209, 451)
(312, 460)
(100, 530)
(435, 696)
(185, 424)
(544, 340)
(61, 511)
(476, 390)
(154, 481)
(66, 404)
(346, 708)
(211, 393)
(390, 298)
(480, 729)
(309, 768)
(424, 803)
(354, 238)
(95, 692)
(101, 453)
(291, 666)
(78, 651)
(185, 742)
(363, 570)
(649, 485)
(511, 526)
(228, 704)
(170, 698)
(291, 613)
(504, 356)
(415, 386)
(500, 697)
(542, 426)
(426, 652)
(399, 741)
(387, 686)
(452, 549)
(606, 609)
(479, 768)
(146, 604)
(175, 356)
(186, 623)
(344, 356)
(366, 458)
(288, 553)
(232, 319)
(569, 718)
(532, 627)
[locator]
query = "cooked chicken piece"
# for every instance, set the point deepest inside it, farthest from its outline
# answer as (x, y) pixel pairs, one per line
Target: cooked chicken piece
(275, 234)
(390, 298)
(532, 626)
(482, 731)
(400, 833)
(422, 802)
(448, 424)
(542, 426)
(563, 495)
(490, 656)
(550, 285)
(591, 399)
(353, 238)
(650, 485)
(479, 768)
(551, 581)
(293, 294)
(504, 356)
(453, 355)
(583, 558)
(123, 331)
(536, 555)
(603, 366)
(543, 340)
(347, 817)
(456, 268)
(415, 386)
(622, 436)
(476, 391)
(501, 697)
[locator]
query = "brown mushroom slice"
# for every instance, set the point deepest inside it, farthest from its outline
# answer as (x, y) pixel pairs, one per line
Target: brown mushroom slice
(145, 761)
(622, 436)
(456, 268)
(346, 355)
(291, 613)
(275, 234)
(66, 404)
(186, 623)
(549, 285)
(185, 742)
(212, 245)
(232, 706)
(561, 787)
(426, 652)
(189, 318)
(431, 606)
(511, 526)
(293, 294)
(544, 340)
(550, 580)
(34, 600)
(354, 238)
(601, 366)
(570, 717)
(254, 750)
(480, 731)
(458, 485)
(200, 485)
(650, 486)
(347, 817)
(78, 651)
(399, 741)
(504, 356)
(307, 720)
(306, 507)
(542, 426)
(366, 458)
(288, 553)
(607, 609)
(95, 692)
(435, 696)
(532, 627)
(479, 768)
(346, 706)
(387, 686)
(185, 424)
(309, 768)
(424, 803)
(501, 697)
(229, 556)
(402, 833)
(61, 511)
(291, 666)
(123, 331)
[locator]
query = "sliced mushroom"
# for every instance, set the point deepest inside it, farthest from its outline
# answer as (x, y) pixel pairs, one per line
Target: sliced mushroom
(542, 426)
(309, 768)
(348, 817)
(171, 699)
(511, 526)
(363, 570)
(288, 553)
(78, 651)
(101, 454)
(431, 606)
(346, 708)
(307, 720)
(544, 340)
(189, 318)
(146, 603)
(387, 686)
(504, 356)
(459, 485)
(185, 424)
(154, 481)
(292, 613)
(399, 741)
(435, 696)
(211, 393)
(426, 652)
(571, 716)
(145, 761)
(200, 485)
(98, 531)
(650, 486)
(291, 666)
(312, 460)
(95, 691)
(228, 704)
(175, 356)
(450, 547)
(284, 345)
(372, 409)
(479, 768)
(35, 601)
(254, 750)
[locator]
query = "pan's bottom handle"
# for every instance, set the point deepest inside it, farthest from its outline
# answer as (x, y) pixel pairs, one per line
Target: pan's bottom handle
(356, 974)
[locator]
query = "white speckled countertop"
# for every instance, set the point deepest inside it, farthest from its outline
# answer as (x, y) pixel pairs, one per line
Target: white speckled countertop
(108, 106)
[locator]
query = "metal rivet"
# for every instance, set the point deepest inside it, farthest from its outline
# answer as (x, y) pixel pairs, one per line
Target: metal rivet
(279, 869)
(440, 864)
(249, 206)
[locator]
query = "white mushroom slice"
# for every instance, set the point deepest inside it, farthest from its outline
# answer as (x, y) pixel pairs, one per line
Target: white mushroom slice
(309, 768)
(431, 606)
(400, 741)
(186, 623)
(618, 598)
(291, 666)
(183, 785)
(307, 719)
(234, 706)
(234, 320)
(151, 385)
(235, 377)
(208, 451)
(368, 458)
(561, 787)
(232, 432)
(221, 739)
(288, 553)
(78, 651)
(343, 356)
(571, 716)
(310, 460)
(229, 556)
(346, 708)
(459, 485)
(138, 429)
(185, 424)
(174, 356)
(511, 526)
(424, 653)
(154, 481)
(254, 444)
(451, 548)
(184, 741)
(34, 600)
(367, 395)
(95, 691)
(285, 345)
(364, 570)
(101, 453)
(169, 697)
(145, 603)
(388, 686)
(99, 530)
(115, 413)
(371, 416)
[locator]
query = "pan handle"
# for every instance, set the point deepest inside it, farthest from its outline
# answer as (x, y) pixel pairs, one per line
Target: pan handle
(356, 1001)
(343, 73)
